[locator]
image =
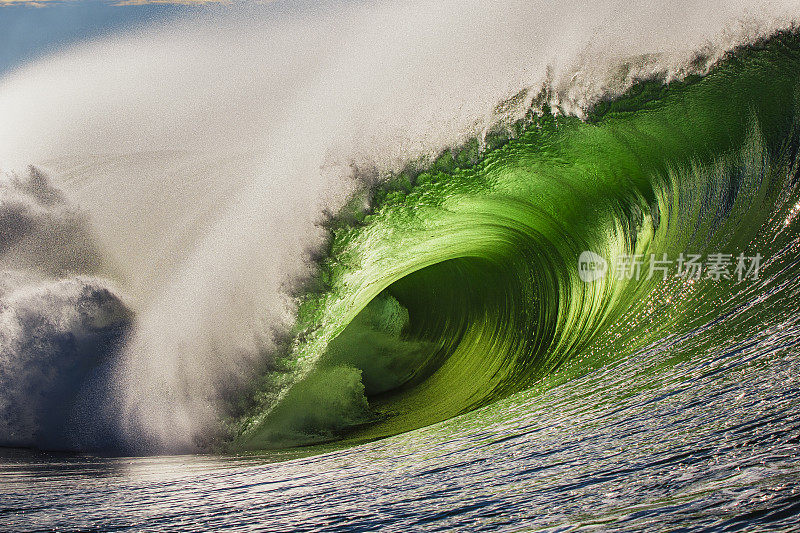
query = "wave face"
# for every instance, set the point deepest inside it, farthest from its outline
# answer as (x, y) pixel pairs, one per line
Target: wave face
(459, 284)
(171, 281)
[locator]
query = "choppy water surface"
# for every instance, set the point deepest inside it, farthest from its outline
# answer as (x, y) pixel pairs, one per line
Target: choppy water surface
(705, 444)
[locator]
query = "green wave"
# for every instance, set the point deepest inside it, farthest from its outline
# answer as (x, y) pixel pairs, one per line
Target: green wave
(459, 285)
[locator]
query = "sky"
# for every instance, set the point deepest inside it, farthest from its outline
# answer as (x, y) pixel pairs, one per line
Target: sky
(30, 30)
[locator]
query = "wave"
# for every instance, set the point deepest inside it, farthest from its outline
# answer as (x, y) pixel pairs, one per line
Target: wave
(444, 284)
(459, 284)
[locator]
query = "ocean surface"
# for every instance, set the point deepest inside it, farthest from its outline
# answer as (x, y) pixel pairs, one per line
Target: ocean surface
(708, 445)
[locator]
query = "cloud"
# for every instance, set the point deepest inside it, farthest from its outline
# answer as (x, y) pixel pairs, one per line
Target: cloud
(45, 3)
(170, 2)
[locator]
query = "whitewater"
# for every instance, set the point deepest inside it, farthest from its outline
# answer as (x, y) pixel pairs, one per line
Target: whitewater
(261, 261)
